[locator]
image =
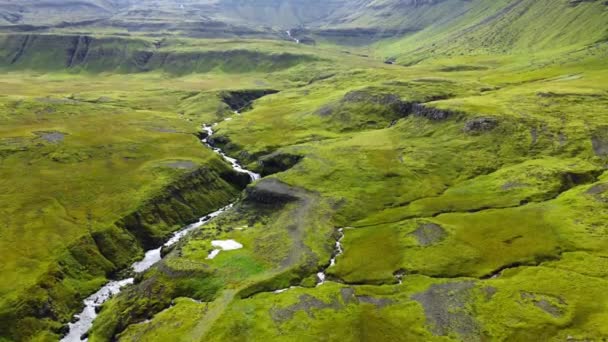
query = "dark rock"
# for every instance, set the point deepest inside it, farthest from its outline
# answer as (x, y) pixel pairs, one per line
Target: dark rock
(390, 60)
(326, 110)
(218, 140)
(242, 99)
(392, 101)
(271, 191)
(278, 162)
(480, 125)
(431, 113)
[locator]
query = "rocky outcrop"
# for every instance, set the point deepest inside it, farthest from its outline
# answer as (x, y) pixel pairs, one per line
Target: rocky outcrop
(431, 113)
(242, 99)
(182, 203)
(277, 162)
(271, 191)
(392, 101)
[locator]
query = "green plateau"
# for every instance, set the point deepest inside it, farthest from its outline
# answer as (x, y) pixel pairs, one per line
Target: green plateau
(430, 170)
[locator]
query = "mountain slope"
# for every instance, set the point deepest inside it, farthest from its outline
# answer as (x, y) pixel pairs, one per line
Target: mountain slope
(508, 26)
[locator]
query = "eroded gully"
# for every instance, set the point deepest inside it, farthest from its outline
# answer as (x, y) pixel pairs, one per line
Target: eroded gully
(78, 330)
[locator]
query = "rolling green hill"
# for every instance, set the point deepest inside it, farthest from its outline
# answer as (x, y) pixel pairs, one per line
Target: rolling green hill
(442, 164)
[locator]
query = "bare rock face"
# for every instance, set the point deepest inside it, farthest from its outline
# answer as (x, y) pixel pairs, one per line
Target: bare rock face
(278, 162)
(242, 99)
(272, 191)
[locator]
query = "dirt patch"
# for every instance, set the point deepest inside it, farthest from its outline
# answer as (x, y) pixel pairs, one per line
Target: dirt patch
(165, 130)
(445, 309)
(429, 233)
(513, 185)
(599, 192)
(554, 306)
(182, 165)
(378, 302)
(307, 303)
(600, 145)
(489, 292)
(53, 137)
(597, 189)
(348, 295)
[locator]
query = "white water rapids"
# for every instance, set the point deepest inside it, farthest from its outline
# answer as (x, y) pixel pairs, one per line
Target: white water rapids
(79, 329)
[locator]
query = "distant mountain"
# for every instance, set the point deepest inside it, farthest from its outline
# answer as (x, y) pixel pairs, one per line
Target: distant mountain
(413, 26)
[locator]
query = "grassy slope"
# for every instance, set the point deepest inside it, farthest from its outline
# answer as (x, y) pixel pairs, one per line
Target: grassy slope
(511, 27)
(527, 195)
(522, 194)
(56, 192)
(140, 127)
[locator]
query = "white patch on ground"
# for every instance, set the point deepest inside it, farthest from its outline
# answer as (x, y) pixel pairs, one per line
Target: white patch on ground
(213, 254)
(223, 245)
(285, 290)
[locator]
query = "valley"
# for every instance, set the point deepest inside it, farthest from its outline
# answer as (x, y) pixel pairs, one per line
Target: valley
(292, 171)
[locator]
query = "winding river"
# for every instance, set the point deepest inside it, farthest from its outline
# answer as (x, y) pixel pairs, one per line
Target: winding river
(78, 330)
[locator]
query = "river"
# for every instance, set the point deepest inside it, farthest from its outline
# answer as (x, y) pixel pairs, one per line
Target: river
(78, 330)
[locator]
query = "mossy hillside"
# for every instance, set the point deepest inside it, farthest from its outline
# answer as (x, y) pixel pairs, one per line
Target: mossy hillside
(510, 186)
(62, 149)
(544, 180)
(339, 102)
(52, 52)
(484, 242)
(534, 123)
(272, 258)
(531, 302)
(363, 158)
(499, 27)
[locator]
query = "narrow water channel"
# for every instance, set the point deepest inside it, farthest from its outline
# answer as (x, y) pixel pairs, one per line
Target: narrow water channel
(78, 330)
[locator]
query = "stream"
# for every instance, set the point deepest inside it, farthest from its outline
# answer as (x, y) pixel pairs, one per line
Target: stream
(292, 37)
(321, 276)
(79, 328)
